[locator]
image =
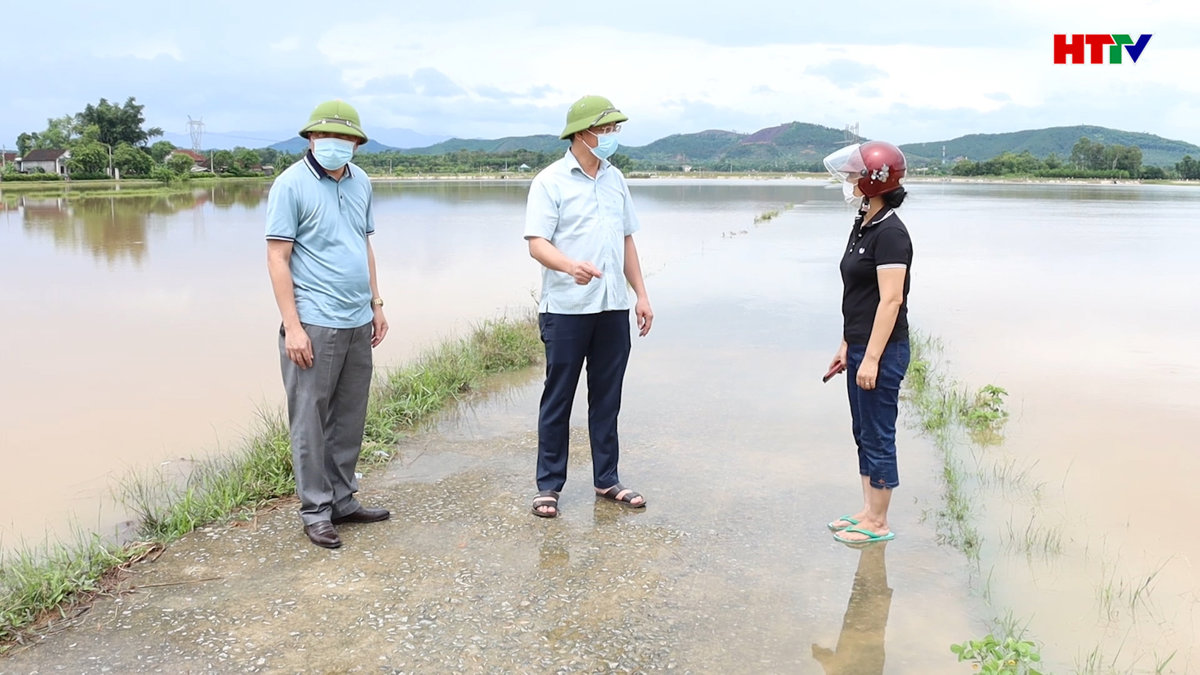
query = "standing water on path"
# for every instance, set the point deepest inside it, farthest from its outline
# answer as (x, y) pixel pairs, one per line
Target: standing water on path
(150, 337)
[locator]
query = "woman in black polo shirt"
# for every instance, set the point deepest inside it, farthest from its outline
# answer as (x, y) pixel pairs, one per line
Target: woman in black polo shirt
(874, 352)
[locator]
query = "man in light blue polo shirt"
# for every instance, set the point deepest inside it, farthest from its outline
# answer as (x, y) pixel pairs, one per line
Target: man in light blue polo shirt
(322, 271)
(579, 223)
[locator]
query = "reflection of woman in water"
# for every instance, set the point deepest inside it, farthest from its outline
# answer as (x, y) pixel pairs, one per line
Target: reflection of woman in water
(874, 351)
(860, 644)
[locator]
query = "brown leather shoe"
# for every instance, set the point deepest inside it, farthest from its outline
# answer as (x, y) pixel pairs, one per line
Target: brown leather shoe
(322, 533)
(363, 515)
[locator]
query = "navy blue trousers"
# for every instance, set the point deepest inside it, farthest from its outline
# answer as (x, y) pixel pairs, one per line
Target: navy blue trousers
(873, 412)
(602, 340)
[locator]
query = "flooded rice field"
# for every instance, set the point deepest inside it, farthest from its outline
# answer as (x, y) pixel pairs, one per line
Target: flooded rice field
(147, 336)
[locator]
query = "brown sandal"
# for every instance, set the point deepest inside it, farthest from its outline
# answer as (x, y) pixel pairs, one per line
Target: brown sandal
(544, 499)
(622, 495)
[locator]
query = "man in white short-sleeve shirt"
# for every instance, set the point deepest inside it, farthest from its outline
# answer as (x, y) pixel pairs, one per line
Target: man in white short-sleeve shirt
(579, 223)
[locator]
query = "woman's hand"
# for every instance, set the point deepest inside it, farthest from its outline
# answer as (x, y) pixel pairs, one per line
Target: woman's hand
(868, 371)
(838, 364)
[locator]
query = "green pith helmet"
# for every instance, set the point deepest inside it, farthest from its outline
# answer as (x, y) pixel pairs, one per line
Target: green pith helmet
(334, 117)
(591, 111)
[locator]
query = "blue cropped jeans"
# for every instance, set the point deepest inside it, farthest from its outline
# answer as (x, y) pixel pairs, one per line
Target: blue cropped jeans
(874, 412)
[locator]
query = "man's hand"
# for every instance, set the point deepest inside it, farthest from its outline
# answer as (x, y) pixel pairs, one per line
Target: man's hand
(379, 327)
(583, 272)
(645, 316)
(298, 346)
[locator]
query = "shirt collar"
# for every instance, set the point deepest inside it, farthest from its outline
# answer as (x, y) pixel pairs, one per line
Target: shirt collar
(319, 171)
(879, 218)
(573, 161)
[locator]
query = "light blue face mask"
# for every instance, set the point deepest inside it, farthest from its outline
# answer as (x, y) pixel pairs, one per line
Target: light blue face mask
(332, 153)
(606, 145)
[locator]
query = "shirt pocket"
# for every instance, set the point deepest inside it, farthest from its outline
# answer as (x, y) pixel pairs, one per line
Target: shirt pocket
(612, 209)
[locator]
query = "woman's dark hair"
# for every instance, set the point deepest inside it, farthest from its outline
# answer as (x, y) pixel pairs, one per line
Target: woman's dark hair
(895, 198)
(892, 200)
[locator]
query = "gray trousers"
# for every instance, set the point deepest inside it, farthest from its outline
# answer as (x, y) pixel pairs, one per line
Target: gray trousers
(327, 410)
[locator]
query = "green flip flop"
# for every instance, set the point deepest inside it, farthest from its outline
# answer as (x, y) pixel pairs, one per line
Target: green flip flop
(872, 537)
(839, 528)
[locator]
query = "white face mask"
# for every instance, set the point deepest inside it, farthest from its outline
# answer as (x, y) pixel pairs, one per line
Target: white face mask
(848, 193)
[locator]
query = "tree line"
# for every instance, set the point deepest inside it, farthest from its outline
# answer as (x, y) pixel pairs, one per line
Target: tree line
(108, 136)
(1088, 159)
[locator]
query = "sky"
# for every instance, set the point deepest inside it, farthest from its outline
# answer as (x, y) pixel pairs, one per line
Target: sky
(421, 71)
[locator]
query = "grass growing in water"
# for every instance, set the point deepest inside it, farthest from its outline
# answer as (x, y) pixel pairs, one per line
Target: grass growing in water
(1033, 538)
(941, 407)
(1115, 595)
(35, 581)
(766, 216)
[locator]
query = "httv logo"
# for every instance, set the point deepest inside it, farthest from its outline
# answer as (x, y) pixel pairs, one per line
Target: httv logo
(1073, 46)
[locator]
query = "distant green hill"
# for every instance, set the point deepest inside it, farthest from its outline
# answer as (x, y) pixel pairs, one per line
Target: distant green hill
(538, 143)
(787, 146)
(783, 146)
(697, 147)
(297, 145)
(1156, 150)
(798, 146)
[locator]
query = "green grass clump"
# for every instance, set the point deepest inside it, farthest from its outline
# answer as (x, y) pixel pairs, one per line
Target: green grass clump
(991, 656)
(34, 579)
(766, 215)
(404, 397)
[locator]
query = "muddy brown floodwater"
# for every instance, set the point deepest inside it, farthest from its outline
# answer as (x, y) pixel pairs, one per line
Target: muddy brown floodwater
(1073, 298)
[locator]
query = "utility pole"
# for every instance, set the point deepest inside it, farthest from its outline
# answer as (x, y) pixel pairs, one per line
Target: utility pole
(110, 164)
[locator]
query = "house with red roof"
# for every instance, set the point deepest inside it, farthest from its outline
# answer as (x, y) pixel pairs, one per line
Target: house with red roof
(198, 159)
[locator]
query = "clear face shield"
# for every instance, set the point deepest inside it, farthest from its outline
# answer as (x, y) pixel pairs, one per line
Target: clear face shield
(846, 165)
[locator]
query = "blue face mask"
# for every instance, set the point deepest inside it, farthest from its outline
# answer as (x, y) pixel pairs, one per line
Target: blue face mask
(606, 145)
(332, 153)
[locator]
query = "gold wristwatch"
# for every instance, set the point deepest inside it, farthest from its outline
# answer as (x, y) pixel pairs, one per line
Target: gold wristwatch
(377, 302)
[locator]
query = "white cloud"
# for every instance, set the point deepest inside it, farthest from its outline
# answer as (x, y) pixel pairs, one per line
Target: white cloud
(648, 75)
(287, 44)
